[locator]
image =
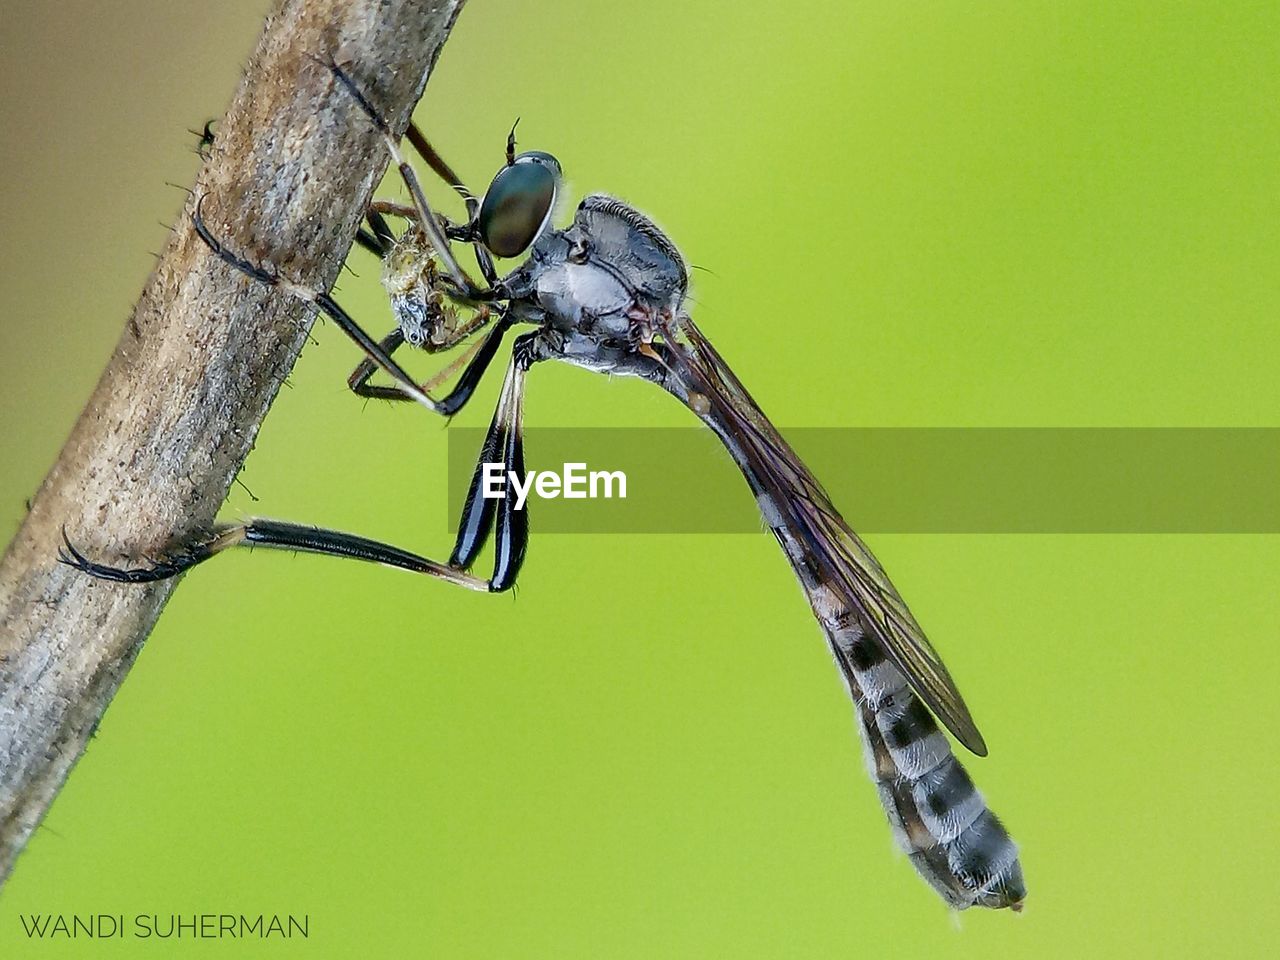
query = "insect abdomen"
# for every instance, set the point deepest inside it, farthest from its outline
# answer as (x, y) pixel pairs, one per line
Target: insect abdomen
(939, 818)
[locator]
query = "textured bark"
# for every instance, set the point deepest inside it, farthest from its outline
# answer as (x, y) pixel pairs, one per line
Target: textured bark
(197, 366)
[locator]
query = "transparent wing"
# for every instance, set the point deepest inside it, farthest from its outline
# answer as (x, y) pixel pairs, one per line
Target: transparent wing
(835, 554)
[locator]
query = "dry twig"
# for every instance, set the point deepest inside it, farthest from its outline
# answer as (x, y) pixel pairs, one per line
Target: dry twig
(197, 366)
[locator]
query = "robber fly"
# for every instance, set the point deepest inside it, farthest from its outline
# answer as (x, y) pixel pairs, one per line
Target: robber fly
(608, 293)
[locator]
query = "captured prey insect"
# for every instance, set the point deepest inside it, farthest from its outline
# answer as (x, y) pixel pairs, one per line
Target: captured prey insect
(608, 293)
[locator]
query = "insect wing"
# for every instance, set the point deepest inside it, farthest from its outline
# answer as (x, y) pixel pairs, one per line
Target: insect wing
(838, 557)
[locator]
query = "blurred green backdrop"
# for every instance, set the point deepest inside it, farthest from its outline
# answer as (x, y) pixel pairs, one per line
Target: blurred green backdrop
(1018, 213)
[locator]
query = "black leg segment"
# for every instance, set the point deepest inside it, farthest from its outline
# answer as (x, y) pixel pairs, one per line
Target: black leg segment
(462, 391)
(276, 534)
(340, 317)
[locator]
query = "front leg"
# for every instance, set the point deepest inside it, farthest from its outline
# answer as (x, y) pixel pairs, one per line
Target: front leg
(463, 285)
(371, 348)
(462, 391)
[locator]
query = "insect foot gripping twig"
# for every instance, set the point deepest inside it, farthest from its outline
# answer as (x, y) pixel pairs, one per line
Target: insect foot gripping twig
(159, 442)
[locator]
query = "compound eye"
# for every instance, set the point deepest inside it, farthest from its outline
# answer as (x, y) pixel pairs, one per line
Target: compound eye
(518, 204)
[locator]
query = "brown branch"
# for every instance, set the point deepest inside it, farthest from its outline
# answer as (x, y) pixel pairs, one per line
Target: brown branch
(198, 364)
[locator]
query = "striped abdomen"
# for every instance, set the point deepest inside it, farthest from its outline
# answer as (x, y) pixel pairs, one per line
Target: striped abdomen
(938, 816)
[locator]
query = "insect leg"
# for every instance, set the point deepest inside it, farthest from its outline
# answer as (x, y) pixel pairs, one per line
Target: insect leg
(503, 443)
(462, 233)
(462, 390)
(512, 524)
(276, 534)
(441, 168)
(427, 221)
(378, 238)
(381, 229)
(371, 243)
(445, 173)
(360, 376)
(476, 522)
(372, 349)
(511, 532)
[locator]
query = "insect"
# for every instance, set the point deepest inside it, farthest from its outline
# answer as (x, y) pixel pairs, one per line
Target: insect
(608, 293)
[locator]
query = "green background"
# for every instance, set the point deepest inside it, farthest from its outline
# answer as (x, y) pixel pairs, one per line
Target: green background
(934, 214)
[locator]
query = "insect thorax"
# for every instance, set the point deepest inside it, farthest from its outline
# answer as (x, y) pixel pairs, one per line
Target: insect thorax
(608, 270)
